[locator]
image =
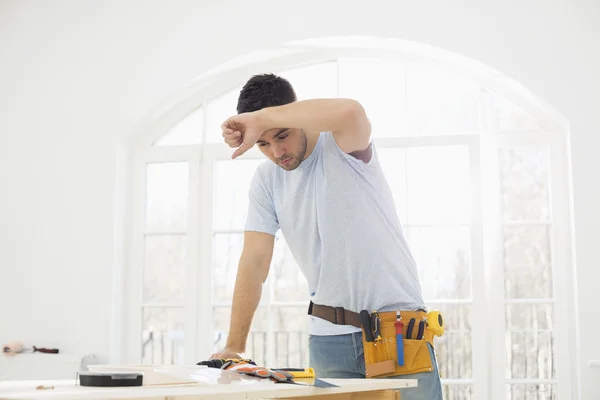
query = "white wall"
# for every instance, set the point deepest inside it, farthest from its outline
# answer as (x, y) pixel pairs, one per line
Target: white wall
(78, 77)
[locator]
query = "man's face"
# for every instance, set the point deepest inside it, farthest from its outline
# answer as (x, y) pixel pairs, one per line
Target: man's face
(285, 147)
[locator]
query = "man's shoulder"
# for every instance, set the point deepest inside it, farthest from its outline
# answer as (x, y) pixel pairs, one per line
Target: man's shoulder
(265, 174)
(264, 170)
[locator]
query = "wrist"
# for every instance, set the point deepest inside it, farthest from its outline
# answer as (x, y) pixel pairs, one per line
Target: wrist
(265, 118)
(234, 348)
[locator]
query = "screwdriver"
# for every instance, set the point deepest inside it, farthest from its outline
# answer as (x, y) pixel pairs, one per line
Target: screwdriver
(399, 343)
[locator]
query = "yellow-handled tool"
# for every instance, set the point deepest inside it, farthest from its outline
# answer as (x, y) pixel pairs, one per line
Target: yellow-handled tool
(300, 373)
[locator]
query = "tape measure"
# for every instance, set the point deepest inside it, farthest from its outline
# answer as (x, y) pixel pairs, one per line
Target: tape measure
(435, 322)
(110, 379)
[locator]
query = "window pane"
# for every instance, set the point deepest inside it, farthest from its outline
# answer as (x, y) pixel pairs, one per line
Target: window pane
(527, 263)
(291, 336)
(232, 182)
(217, 112)
(379, 85)
(440, 101)
(256, 345)
(439, 189)
(531, 391)
(288, 281)
(165, 260)
(443, 257)
(162, 336)
(509, 116)
(187, 131)
(313, 81)
(453, 348)
(393, 163)
(167, 196)
(525, 183)
(227, 251)
(530, 341)
(457, 392)
(522, 317)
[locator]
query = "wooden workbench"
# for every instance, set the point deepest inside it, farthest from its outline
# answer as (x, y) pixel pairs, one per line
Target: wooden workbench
(349, 389)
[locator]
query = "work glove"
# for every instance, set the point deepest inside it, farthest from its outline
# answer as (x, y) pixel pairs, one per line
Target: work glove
(262, 372)
(248, 367)
(225, 363)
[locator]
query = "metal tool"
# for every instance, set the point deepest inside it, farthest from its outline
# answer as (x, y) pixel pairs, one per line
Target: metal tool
(316, 383)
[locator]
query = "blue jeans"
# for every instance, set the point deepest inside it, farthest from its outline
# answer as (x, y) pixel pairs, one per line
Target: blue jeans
(342, 356)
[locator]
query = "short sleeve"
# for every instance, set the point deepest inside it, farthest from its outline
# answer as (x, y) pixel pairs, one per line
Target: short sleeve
(335, 150)
(261, 209)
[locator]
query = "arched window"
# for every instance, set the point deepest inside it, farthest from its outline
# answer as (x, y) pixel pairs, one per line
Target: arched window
(477, 168)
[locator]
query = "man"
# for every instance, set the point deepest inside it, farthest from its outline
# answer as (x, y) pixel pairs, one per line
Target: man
(326, 191)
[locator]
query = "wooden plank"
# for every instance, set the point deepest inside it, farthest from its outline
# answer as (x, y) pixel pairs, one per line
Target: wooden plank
(360, 389)
(338, 396)
(371, 395)
(378, 394)
(349, 389)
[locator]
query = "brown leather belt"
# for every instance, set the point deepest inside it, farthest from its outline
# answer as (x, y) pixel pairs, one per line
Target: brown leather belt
(341, 316)
(336, 315)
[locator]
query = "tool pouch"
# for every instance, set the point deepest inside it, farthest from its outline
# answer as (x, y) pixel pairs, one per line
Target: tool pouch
(380, 355)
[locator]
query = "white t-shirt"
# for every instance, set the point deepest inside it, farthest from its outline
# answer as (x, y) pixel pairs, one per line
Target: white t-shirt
(338, 217)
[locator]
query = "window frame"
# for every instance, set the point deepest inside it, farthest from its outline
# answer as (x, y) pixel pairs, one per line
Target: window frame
(488, 363)
(563, 299)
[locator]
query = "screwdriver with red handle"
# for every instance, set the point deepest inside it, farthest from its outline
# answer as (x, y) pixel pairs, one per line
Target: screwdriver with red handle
(399, 342)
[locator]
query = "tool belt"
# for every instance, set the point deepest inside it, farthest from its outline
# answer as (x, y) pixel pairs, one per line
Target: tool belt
(381, 332)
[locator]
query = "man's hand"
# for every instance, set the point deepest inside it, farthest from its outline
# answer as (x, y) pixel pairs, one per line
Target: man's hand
(227, 353)
(242, 131)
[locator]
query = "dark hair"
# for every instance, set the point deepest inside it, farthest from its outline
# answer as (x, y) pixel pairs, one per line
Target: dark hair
(265, 90)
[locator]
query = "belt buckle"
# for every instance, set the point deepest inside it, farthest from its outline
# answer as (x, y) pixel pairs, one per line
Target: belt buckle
(339, 316)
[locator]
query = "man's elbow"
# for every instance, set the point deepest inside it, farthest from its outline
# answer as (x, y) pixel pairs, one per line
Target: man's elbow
(357, 116)
(354, 110)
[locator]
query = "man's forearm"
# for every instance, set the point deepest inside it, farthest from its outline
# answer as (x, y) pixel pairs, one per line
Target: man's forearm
(246, 296)
(315, 114)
